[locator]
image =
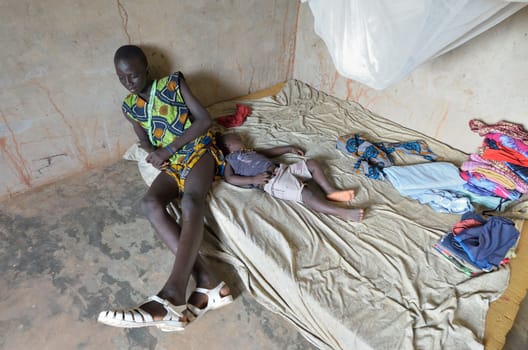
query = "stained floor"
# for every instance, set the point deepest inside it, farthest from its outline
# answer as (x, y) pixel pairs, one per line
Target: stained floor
(71, 249)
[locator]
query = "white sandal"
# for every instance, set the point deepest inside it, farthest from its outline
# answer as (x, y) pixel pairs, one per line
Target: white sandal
(214, 300)
(134, 318)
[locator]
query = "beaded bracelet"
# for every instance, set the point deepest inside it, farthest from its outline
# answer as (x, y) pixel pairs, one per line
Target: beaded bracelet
(169, 148)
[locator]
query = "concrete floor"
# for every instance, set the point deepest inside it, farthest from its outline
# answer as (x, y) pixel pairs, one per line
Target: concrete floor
(71, 249)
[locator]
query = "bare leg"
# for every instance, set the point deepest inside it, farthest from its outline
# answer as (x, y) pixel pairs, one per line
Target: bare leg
(153, 206)
(188, 236)
(330, 191)
(315, 202)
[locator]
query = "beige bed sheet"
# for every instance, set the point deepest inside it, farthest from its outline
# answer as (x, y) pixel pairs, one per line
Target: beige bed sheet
(377, 284)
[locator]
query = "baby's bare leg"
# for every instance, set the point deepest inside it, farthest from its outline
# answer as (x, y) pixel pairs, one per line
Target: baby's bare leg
(320, 178)
(317, 203)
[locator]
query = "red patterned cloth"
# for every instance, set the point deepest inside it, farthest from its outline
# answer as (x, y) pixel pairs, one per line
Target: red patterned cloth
(511, 129)
(237, 119)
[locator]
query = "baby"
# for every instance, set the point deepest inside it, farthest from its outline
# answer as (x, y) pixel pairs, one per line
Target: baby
(254, 169)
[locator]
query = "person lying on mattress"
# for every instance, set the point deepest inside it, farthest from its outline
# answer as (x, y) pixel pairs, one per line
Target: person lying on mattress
(173, 128)
(254, 169)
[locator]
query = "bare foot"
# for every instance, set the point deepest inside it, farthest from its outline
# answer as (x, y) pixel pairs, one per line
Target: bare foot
(341, 196)
(351, 214)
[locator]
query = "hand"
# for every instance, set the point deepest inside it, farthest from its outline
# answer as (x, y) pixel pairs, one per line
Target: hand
(261, 179)
(147, 146)
(296, 150)
(159, 158)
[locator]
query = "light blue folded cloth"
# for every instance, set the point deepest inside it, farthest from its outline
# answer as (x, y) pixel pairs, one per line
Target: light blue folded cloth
(418, 178)
(444, 201)
(434, 184)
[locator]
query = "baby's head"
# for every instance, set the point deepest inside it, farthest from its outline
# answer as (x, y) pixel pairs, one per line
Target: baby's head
(230, 142)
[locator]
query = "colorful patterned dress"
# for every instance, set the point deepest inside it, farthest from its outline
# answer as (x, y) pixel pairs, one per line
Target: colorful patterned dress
(165, 118)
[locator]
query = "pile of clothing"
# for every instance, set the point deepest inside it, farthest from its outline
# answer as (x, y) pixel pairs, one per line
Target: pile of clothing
(476, 245)
(500, 167)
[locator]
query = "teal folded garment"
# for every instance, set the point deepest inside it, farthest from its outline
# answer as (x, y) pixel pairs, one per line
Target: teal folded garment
(490, 202)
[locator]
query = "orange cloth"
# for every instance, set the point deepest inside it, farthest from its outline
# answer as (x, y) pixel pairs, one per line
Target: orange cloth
(505, 155)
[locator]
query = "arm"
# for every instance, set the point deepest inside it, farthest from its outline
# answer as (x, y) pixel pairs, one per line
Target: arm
(144, 141)
(244, 181)
(280, 150)
(201, 122)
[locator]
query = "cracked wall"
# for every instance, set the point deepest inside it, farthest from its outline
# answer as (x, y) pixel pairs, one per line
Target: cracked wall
(484, 78)
(60, 104)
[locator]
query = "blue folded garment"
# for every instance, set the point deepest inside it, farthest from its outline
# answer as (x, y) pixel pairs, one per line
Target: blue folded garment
(444, 201)
(521, 171)
(488, 244)
(415, 179)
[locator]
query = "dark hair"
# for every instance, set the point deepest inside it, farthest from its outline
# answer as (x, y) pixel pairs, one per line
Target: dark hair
(220, 142)
(130, 52)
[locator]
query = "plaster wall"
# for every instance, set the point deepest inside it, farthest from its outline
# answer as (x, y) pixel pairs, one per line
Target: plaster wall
(60, 104)
(486, 78)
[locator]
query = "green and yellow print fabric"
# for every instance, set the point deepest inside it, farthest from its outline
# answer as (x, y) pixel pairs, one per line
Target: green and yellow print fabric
(165, 118)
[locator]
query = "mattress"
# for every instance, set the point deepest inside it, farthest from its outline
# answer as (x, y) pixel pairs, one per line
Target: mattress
(376, 284)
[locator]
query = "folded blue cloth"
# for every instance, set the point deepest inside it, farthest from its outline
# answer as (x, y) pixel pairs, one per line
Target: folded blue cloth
(521, 171)
(444, 201)
(415, 179)
(488, 244)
